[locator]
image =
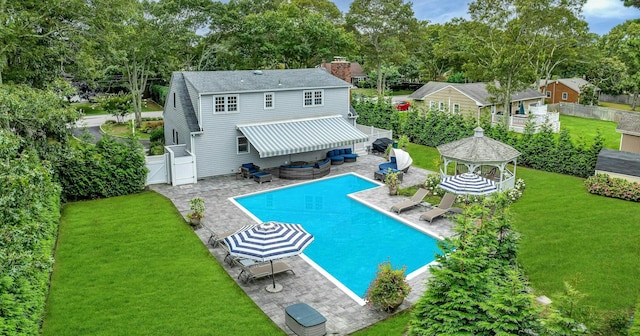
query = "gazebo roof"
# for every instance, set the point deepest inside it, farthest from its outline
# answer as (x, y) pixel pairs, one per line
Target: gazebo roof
(478, 149)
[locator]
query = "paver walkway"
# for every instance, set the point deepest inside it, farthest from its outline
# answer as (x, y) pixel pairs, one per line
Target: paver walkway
(343, 314)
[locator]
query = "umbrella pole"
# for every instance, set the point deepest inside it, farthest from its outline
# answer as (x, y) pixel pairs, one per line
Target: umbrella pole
(273, 277)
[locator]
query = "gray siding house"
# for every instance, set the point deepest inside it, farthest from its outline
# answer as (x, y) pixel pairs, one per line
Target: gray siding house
(269, 117)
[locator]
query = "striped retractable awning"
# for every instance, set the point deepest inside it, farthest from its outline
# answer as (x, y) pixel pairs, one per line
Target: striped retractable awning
(302, 135)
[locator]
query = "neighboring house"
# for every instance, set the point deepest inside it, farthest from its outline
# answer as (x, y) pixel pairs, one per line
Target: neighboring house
(619, 164)
(473, 99)
(629, 126)
(223, 119)
(350, 72)
(563, 90)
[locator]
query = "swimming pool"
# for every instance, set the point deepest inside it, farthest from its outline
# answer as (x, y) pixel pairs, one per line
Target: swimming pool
(351, 238)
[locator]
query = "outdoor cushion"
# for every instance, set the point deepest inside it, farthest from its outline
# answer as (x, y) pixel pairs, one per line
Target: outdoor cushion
(342, 151)
(347, 151)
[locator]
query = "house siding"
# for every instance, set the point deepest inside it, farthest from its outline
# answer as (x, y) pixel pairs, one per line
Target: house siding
(556, 89)
(450, 96)
(174, 118)
(630, 143)
(216, 149)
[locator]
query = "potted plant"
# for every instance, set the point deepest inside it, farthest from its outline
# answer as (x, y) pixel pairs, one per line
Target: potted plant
(388, 290)
(197, 211)
(392, 181)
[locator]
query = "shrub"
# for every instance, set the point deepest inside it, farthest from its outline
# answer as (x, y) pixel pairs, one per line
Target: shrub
(110, 168)
(159, 93)
(431, 184)
(389, 288)
(605, 185)
(29, 213)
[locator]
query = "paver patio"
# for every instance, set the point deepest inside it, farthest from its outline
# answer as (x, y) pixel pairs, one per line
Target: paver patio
(344, 315)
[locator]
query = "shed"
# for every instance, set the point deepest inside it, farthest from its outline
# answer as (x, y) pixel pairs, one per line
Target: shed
(619, 164)
(629, 126)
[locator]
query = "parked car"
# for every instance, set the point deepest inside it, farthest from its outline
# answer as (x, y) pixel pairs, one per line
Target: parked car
(403, 105)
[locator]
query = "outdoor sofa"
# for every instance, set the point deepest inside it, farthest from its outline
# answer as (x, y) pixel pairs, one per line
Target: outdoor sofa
(306, 171)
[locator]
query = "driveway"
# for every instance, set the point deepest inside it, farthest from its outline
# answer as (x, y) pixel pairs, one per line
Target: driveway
(91, 124)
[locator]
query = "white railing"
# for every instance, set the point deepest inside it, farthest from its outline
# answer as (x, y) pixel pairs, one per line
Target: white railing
(374, 134)
(518, 122)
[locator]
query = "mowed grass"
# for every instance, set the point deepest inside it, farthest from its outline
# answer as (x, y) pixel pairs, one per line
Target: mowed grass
(569, 234)
(587, 129)
(131, 266)
(616, 106)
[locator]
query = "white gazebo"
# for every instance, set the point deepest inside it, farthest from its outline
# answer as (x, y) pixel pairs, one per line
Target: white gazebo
(483, 156)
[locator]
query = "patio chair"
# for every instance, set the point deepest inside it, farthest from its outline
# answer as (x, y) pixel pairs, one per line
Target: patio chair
(413, 201)
(256, 271)
(218, 239)
(445, 206)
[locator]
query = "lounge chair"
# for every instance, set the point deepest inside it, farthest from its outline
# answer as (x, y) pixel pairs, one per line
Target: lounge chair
(445, 206)
(413, 201)
(256, 271)
(217, 239)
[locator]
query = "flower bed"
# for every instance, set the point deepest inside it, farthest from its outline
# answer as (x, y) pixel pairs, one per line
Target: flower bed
(605, 185)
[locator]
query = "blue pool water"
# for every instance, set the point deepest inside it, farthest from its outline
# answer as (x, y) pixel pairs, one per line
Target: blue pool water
(351, 239)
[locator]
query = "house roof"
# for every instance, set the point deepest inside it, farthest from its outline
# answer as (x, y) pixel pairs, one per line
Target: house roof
(181, 90)
(618, 162)
(572, 83)
(301, 135)
(478, 149)
(261, 80)
(629, 124)
(356, 68)
(475, 91)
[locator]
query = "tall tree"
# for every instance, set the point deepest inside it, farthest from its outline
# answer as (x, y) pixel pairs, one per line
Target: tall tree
(383, 27)
(35, 37)
(632, 3)
(142, 40)
(624, 42)
(507, 39)
(292, 36)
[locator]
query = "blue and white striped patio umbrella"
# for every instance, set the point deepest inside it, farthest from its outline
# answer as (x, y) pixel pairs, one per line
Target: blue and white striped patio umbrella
(269, 241)
(468, 184)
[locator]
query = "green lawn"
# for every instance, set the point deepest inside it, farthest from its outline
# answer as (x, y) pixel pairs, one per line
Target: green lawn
(567, 235)
(90, 109)
(616, 106)
(570, 234)
(131, 265)
(588, 128)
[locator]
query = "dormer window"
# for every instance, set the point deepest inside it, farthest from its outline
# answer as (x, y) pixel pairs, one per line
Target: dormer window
(313, 98)
(225, 104)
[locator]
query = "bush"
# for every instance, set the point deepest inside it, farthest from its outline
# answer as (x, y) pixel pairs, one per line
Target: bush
(29, 213)
(159, 93)
(539, 150)
(605, 185)
(110, 168)
(157, 135)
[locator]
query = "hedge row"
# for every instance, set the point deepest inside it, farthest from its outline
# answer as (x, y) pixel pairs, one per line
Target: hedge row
(541, 150)
(29, 215)
(159, 93)
(605, 185)
(110, 168)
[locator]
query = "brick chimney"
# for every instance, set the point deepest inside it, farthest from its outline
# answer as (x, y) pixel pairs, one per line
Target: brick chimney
(341, 68)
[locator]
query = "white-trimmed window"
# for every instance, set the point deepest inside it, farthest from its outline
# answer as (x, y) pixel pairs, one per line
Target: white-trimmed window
(313, 98)
(243, 145)
(432, 105)
(441, 106)
(548, 94)
(456, 108)
(565, 96)
(225, 104)
(269, 100)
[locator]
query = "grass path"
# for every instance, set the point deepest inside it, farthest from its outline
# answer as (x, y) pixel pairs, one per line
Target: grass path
(130, 265)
